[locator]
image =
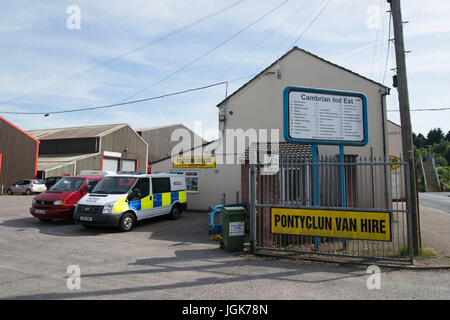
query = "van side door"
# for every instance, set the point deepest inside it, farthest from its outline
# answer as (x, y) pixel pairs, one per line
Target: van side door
(142, 203)
(161, 195)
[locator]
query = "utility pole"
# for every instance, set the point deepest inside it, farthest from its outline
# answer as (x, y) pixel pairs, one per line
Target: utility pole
(405, 117)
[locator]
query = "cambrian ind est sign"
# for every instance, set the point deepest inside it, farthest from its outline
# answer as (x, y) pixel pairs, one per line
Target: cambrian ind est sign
(332, 223)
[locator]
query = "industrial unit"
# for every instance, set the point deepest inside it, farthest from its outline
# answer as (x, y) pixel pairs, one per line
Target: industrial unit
(18, 154)
(258, 104)
(67, 151)
(159, 140)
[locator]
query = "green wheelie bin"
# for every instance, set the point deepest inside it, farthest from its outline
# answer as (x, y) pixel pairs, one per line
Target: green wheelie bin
(233, 227)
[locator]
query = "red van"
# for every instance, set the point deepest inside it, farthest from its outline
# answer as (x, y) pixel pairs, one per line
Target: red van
(59, 202)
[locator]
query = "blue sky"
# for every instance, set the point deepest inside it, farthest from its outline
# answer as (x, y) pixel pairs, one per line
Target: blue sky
(37, 50)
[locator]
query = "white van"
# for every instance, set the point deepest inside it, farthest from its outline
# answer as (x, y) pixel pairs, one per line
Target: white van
(123, 199)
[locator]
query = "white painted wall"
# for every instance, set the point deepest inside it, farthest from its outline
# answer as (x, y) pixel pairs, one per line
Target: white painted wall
(259, 105)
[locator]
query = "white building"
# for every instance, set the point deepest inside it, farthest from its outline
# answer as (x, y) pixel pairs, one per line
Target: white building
(258, 104)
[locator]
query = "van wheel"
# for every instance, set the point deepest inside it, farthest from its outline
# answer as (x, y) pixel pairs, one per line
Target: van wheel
(175, 212)
(28, 192)
(127, 222)
(10, 192)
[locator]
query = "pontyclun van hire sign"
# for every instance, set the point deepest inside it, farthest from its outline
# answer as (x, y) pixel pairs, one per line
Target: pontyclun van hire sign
(325, 116)
(366, 225)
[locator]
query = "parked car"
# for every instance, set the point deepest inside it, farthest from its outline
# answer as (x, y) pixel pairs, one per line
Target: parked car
(59, 202)
(27, 186)
(51, 181)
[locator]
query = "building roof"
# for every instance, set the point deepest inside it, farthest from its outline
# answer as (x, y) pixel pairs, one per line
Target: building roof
(394, 123)
(161, 127)
(284, 149)
(295, 48)
(76, 132)
(181, 153)
(49, 162)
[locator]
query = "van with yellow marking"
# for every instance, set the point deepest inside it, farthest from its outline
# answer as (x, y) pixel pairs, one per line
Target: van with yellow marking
(124, 199)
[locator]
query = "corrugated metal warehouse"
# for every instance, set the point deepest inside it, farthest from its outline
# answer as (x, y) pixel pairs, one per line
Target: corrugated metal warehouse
(105, 147)
(159, 139)
(18, 154)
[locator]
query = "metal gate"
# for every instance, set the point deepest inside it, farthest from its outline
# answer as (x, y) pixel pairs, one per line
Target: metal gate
(359, 184)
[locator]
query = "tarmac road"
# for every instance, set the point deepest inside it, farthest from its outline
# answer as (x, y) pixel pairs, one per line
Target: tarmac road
(436, 200)
(165, 259)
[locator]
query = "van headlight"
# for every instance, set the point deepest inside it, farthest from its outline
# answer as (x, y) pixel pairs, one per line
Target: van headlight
(108, 208)
(59, 202)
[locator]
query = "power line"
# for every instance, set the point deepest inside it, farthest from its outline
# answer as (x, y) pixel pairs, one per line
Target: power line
(267, 36)
(376, 47)
(208, 52)
(313, 20)
(118, 104)
(204, 54)
(289, 36)
(383, 27)
(262, 41)
(272, 32)
(161, 38)
(389, 46)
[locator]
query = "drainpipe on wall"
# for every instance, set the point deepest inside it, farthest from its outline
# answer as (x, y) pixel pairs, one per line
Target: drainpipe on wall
(383, 110)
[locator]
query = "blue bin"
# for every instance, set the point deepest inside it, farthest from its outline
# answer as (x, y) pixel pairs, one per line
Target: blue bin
(217, 228)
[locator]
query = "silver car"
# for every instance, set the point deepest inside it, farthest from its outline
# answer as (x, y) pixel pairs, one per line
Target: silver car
(27, 186)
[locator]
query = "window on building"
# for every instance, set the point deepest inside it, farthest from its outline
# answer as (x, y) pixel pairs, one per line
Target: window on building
(192, 181)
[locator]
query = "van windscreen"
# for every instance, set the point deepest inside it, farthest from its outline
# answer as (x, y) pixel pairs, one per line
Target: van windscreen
(114, 185)
(68, 184)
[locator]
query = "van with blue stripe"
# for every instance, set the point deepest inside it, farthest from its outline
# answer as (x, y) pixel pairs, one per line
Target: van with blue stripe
(124, 199)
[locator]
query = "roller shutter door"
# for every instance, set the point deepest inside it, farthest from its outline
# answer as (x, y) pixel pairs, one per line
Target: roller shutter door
(110, 164)
(128, 165)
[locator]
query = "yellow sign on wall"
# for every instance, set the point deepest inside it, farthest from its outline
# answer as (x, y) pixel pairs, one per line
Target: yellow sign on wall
(394, 161)
(194, 162)
(332, 223)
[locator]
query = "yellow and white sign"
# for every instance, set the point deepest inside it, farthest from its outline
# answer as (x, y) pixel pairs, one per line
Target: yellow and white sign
(194, 162)
(332, 223)
(394, 161)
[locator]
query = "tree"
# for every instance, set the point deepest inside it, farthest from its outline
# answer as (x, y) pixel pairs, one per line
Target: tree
(440, 161)
(419, 140)
(435, 136)
(447, 137)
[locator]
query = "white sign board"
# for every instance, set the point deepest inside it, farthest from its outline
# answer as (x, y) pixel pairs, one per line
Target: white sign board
(112, 154)
(316, 115)
(237, 229)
